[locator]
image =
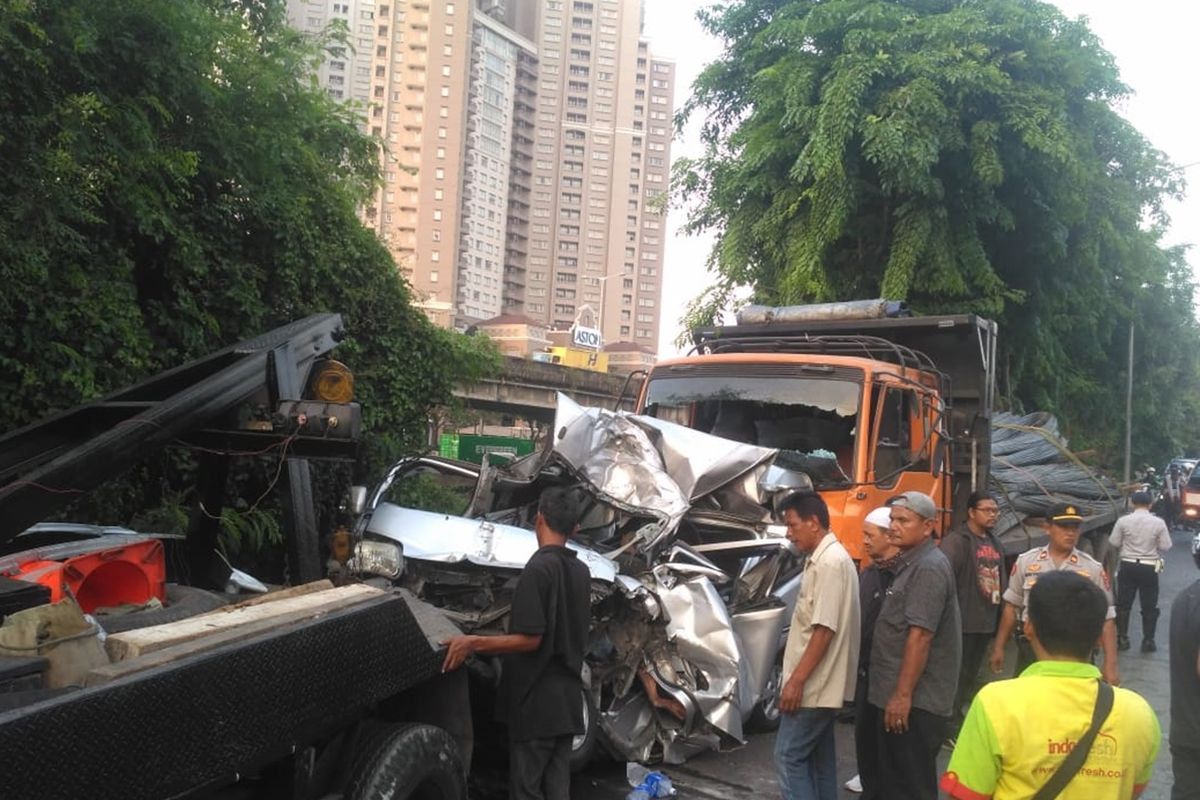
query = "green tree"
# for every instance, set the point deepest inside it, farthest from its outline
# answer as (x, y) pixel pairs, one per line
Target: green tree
(960, 155)
(172, 180)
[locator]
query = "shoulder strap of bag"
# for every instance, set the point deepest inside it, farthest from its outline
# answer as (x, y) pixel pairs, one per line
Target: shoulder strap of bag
(1074, 760)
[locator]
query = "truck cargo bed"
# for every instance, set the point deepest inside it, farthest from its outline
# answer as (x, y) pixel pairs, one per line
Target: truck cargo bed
(201, 722)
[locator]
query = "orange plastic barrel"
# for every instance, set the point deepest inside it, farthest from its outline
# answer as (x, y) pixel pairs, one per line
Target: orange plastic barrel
(128, 575)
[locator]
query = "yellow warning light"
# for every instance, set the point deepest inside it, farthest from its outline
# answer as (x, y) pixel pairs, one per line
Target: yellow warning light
(332, 382)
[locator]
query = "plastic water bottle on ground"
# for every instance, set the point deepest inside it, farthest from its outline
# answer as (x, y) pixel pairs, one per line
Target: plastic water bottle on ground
(646, 783)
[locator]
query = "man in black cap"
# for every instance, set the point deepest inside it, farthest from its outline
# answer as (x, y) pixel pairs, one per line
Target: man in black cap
(1059, 553)
(1139, 536)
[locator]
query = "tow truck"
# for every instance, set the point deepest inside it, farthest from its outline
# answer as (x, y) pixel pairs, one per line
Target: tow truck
(309, 692)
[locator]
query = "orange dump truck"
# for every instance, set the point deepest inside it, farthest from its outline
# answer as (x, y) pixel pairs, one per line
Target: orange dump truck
(862, 398)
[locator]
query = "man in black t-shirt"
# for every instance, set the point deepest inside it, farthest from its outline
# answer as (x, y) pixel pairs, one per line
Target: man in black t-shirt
(978, 562)
(541, 691)
(1185, 688)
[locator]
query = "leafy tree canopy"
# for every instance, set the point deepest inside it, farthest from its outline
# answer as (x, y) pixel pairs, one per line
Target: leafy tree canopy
(173, 180)
(961, 155)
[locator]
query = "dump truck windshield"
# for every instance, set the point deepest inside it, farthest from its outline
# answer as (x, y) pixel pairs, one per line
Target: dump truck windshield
(812, 421)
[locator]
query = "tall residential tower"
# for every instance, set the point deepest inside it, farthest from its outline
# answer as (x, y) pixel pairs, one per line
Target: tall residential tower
(527, 155)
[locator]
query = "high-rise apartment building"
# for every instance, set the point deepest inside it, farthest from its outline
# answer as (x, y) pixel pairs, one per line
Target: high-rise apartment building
(527, 155)
(601, 161)
(346, 73)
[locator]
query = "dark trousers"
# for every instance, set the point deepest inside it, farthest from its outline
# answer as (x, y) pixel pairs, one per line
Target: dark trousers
(975, 647)
(1185, 762)
(866, 718)
(1134, 579)
(540, 769)
(904, 764)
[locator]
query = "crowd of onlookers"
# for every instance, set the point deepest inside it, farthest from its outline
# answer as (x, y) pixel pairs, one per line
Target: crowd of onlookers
(905, 641)
(907, 638)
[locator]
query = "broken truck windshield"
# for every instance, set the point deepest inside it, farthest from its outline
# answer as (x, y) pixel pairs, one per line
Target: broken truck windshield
(811, 421)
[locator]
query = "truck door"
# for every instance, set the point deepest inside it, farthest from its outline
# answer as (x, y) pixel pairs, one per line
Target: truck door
(901, 442)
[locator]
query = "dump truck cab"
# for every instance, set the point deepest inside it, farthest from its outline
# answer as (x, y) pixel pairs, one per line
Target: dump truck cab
(859, 406)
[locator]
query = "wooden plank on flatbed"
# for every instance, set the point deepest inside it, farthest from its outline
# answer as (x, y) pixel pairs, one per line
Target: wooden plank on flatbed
(157, 658)
(270, 597)
(130, 644)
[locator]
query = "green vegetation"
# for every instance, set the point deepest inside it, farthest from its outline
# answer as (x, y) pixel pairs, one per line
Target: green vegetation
(171, 181)
(431, 493)
(962, 156)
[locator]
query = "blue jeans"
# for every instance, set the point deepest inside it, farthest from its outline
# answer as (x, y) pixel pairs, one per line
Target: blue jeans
(804, 755)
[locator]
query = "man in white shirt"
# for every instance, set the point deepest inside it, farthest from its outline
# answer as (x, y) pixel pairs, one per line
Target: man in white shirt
(820, 662)
(1139, 536)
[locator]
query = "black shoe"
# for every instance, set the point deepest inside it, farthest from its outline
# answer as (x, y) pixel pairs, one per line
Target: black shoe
(1148, 646)
(1123, 643)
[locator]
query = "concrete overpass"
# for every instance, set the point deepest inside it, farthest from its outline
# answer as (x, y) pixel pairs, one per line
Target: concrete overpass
(528, 389)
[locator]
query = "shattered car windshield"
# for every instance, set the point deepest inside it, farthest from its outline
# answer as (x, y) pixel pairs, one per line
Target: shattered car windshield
(430, 491)
(811, 421)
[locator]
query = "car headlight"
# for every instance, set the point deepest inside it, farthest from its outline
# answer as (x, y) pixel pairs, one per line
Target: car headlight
(1190, 512)
(378, 558)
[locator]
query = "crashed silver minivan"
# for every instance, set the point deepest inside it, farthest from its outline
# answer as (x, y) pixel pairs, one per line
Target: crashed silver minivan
(693, 583)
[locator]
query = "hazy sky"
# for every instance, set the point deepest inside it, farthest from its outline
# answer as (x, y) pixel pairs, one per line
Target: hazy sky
(1153, 41)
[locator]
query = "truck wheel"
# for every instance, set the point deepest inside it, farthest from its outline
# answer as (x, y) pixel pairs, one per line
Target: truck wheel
(182, 602)
(583, 746)
(765, 716)
(409, 761)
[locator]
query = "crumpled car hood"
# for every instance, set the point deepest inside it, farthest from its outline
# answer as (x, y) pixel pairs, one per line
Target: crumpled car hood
(651, 466)
(430, 536)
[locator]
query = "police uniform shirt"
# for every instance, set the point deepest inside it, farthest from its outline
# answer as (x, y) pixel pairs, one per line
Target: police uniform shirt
(1032, 564)
(1140, 535)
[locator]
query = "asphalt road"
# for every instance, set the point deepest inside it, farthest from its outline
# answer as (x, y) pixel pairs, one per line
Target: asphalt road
(749, 771)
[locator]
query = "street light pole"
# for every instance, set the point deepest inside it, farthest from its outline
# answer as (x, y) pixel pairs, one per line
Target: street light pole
(1129, 407)
(603, 290)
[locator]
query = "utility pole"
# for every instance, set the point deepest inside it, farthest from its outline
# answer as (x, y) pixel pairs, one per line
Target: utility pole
(1129, 407)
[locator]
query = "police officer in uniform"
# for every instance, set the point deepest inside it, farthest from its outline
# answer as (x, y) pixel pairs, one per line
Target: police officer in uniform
(1140, 537)
(1059, 553)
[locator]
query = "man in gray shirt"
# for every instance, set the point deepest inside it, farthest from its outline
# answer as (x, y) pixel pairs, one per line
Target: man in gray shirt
(1139, 536)
(915, 657)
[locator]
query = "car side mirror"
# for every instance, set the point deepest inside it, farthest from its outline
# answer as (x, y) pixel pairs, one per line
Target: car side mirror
(356, 500)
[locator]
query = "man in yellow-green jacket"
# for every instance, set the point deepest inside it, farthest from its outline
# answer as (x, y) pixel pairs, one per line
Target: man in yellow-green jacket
(1018, 732)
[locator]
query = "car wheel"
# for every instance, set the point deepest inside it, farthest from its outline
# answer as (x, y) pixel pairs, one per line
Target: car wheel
(583, 746)
(765, 717)
(408, 761)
